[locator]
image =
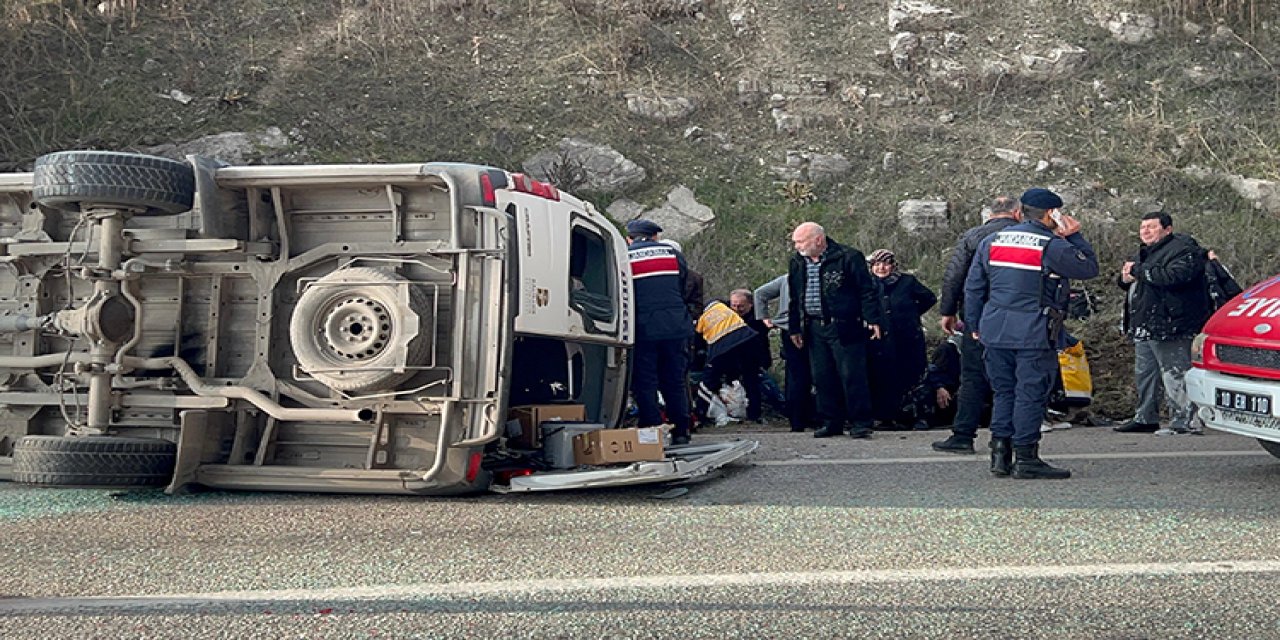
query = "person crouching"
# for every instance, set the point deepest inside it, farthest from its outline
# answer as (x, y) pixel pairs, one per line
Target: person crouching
(731, 354)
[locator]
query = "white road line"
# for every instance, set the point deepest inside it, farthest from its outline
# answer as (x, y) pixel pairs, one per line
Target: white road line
(982, 457)
(571, 585)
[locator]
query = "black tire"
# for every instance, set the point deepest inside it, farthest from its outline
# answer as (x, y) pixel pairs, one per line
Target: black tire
(156, 186)
(1272, 448)
(93, 461)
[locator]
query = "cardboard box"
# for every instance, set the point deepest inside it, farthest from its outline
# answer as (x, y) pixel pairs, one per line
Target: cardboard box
(532, 415)
(611, 446)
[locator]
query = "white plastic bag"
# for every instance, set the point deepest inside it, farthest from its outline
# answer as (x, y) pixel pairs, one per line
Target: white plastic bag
(734, 396)
(716, 409)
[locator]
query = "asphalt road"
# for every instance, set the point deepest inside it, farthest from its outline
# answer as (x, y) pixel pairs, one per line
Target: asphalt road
(1154, 537)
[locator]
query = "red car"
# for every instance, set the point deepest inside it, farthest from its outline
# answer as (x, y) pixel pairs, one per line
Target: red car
(1235, 382)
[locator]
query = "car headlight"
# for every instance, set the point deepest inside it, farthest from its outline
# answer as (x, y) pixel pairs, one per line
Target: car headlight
(1197, 348)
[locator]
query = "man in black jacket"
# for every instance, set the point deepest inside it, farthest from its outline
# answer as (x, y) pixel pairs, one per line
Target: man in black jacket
(975, 390)
(833, 311)
(1166, 305)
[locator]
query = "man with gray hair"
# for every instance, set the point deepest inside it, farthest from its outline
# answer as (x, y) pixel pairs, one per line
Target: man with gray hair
(833, 313)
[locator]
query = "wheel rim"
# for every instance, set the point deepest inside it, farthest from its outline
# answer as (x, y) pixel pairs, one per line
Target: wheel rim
(355, 329)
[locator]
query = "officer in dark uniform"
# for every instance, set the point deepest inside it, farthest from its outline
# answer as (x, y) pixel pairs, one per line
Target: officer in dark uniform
(660, 357)
(1016, 297)
(975, 389)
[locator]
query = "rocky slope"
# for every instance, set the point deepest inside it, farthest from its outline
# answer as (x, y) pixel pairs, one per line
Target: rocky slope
(891, 122)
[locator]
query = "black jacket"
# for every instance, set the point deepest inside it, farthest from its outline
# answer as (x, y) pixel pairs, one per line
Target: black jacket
(694, 299)
(898, 359)
(1169, 297)
(848, 293)
(903, 303)
(961, 258)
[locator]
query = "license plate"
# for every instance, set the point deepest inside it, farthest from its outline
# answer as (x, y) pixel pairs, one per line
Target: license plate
(1246, 402)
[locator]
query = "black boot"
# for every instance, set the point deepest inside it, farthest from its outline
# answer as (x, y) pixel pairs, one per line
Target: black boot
(1029, 466)
(1001, 456)
(955, 444)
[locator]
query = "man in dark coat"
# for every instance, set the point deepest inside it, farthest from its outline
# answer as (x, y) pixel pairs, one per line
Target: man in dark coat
(742, 303)
(694, 283)
(1167, 303)
(897, 361)
(1015, 301)
(974, 397)
(833, 312)
(660, 358)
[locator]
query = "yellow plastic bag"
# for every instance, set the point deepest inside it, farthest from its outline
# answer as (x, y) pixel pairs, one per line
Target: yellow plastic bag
(1077, 383)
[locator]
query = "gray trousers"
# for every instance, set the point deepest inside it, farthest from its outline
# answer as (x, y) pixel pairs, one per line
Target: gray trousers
(1162, 365)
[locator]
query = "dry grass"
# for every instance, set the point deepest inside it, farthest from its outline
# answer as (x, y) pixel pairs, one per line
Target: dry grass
(401, 80)
(1242, 11)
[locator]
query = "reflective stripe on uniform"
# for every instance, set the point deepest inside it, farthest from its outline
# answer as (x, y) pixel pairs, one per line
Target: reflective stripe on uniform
(645, 264)
(1018, 250)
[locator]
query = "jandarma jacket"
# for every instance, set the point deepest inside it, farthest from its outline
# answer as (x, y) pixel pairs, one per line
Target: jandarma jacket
(1018, 276)
(658, 276)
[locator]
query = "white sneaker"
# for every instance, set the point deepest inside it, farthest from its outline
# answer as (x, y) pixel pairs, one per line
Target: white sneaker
(1045, 427)
(1171, 431)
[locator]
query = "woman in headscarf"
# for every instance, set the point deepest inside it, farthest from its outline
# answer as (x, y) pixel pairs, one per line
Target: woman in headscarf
(897, 361)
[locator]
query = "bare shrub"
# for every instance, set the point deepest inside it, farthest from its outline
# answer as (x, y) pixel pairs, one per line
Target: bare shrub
(798, 193)
(654, 9)
(633, 40)
(626, 26)
(387, 22)
(567, 173)
(17, 15)
(631, 26)
(1244, 12)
